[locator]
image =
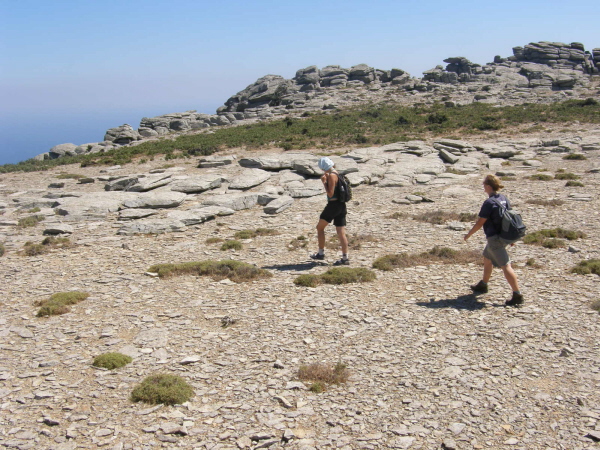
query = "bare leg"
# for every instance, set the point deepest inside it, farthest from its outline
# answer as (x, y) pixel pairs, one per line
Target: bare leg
(487, 270)
(341, 232)
(321, 232)
(511, 277)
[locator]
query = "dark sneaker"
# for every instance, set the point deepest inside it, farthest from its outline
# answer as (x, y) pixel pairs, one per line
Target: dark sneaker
(318, 256)
(480, 288)
(342, 262)
(516, 300)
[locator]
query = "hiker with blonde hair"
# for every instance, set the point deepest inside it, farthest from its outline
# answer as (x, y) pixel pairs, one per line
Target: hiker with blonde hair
(494, 253)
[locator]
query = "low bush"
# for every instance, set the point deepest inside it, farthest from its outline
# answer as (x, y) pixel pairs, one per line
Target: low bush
(543, 202)
(440, 217)
(67, 176)
(337, 275)
(552, 238)
(2, 249)
(163, 389)
(541, 177)
(596, 305)
(49, 243)
(298, 242)
(575, 157)
(532, 263)
(234, 270)
(321, 375)
(111, 361)
(30, 221)
(213, 240)
(574, 184)
(566, 176)
(251, 234)
(59, 303)
(436, 255)
(235, 245)
(586, 267)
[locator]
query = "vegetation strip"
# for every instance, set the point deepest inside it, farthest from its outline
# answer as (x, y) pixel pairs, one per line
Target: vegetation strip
(59, 303)
(234, 270)
(337, 275)
(443, 255)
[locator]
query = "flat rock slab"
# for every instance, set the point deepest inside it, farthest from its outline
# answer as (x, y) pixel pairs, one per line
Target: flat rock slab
(197, 184)
(57, 228)
(200, 215)
(236, 202)
(271, 162)
(147, 183)
(131, 214)
(249, 178)
(158, 226)
(279, 204)
(156, 200)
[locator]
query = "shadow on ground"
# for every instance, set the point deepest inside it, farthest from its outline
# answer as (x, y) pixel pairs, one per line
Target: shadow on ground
(468, 302)
(295, 267)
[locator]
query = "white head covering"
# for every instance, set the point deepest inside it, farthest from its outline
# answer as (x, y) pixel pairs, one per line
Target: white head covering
(325, 163)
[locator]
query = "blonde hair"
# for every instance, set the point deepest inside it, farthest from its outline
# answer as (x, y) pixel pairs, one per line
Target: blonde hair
(494, 182)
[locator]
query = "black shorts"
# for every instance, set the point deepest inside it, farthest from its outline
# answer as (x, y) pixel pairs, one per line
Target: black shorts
(335, 211)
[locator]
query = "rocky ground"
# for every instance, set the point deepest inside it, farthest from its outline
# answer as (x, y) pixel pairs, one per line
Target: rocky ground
(431, 365)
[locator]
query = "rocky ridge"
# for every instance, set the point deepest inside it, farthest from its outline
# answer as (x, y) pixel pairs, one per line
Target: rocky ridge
(538, 72)
(431, 366)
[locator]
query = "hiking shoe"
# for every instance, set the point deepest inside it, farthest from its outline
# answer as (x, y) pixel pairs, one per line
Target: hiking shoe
(342, 262)
(318, 256)
(480, 288)
(516, 300)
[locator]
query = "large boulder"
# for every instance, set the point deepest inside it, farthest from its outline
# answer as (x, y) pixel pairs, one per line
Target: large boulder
(249, 178)
(278, 205)
(122, 135)
(62, 150)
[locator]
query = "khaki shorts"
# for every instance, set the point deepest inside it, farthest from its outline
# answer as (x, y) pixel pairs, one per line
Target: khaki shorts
(495, 251)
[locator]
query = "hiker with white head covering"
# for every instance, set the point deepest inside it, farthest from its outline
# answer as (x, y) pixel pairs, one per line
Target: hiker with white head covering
(334, 211)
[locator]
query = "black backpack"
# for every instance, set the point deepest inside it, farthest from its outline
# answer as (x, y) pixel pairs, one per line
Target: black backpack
(344, 189)
(511, 227)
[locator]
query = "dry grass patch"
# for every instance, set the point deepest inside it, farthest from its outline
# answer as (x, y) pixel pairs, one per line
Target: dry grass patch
(235, 245)
(2, 249)
(541, 177)
(163, 389)
(59, 303)
(112, 360)
(544, 202)
(30, 221)
(214, 240)
(337, 275)
(321, 375)
(355, 241)
(251, 234)
(440, 217)
(574, 184)
(566, 176)
(587, 267)
(298, 242)
(69, 176)
(575, 157)
(552, 238)
(49, 243)
(596, 305)
(436, 255)
(236, 271)
(531, 262)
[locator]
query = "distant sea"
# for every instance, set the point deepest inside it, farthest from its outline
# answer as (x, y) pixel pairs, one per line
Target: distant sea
(23, 136)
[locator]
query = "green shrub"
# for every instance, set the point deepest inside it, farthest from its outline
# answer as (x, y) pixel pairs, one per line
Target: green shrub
(111, 361)
(228, 245)
(574, 157)
(213, 240)
(50, 242)
(337, 275)
(532, 263)
(596, 305)
(164, 389)
(541, 177)
(298, 242)
(34, 210)
(30, 221)
(251, 234)
(59, 303)
(541, 237)
(574, 184)
(234, 270)
(566, 176)
(437, 254)
(587, 267)
(2, 249)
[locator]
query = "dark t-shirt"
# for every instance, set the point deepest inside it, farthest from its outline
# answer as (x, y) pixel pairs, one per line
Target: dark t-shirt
(490, 211)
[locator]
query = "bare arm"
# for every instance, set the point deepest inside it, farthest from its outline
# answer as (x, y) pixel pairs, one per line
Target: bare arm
(475, 228)
(329, 181)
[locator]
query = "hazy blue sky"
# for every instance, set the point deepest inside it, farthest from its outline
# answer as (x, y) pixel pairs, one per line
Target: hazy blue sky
(71, 69)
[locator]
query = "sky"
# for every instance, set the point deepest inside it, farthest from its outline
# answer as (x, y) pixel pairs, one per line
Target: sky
(69, 70)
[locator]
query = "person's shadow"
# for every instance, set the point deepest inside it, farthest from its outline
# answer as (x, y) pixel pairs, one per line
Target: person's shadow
(295, 267)
(468, 302)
